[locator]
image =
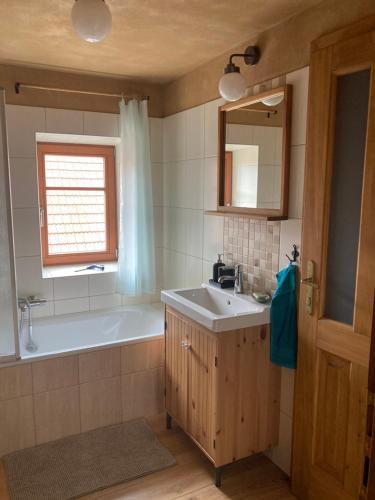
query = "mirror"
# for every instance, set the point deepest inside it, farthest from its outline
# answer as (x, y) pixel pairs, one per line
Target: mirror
(254, 154)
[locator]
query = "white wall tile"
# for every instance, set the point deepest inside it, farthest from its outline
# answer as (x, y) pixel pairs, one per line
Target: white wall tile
(281, 455)
(156, 139)
(70, 287)
(210, 183)
(29, 278)
(26, 232)
(192, 187)
(195, 132)
(194, 233)
(300, 81)
(296, 181)
(101, 124)
(193, 273)
(287, 391)
(290, 233)
(211, 127)
(22, 124)
(72, 305)
(105, 301)
(64, 121)
(158, 226)
(175, 220)
(157, 184)
(24, 182)
(174, 266)
(213, 237)
(207, 270)
(174, 140)
(102, 284)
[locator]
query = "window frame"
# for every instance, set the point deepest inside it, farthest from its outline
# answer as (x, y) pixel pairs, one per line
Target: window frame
(63, 149)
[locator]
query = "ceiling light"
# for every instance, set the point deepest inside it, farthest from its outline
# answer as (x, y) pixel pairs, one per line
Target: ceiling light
(232, 85)
(91, 19)
(273, 100)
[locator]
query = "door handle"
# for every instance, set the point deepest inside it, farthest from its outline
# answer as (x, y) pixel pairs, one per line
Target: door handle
(309, 282)
(185, 345)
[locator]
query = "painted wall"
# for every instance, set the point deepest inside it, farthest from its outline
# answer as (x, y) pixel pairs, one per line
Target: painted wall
(284, 48)
(65, 294)
(192, 239)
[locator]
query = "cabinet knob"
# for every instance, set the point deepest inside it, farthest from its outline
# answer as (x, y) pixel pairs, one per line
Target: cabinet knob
(185, 345)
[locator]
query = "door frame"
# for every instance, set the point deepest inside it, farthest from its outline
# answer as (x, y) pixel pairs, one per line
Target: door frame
(347, 50)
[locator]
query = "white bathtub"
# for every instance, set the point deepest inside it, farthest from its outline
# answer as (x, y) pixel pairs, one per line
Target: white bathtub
(82, 331)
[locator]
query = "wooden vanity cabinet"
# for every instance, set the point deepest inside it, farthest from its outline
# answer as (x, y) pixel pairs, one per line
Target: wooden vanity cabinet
(221, 388)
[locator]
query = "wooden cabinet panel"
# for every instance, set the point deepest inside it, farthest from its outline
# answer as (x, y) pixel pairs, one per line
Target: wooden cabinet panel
(202, 377)
(221, 388)
(248, 404)
(176, 368)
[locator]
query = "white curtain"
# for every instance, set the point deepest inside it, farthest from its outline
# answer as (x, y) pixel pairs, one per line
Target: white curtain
(136, 275)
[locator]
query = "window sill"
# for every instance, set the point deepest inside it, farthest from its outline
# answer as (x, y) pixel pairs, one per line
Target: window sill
(71, 270)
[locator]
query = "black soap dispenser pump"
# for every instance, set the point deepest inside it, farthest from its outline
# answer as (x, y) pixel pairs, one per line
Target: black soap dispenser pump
(216, 266)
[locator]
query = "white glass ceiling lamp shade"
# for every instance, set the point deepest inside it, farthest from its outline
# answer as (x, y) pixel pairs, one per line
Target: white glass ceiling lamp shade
(91, 19)
(232, 85)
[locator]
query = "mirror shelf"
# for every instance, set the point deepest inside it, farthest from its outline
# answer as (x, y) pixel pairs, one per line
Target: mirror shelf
(254, 155)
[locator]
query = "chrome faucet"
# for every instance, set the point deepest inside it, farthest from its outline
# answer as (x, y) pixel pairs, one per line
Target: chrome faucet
(225, 278)
(238, 282)
(25, 304)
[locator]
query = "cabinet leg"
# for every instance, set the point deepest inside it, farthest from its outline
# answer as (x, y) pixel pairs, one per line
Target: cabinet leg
(169, 421)
(218, 473)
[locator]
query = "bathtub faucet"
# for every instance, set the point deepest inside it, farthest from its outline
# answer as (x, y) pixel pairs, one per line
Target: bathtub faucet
(25, 304)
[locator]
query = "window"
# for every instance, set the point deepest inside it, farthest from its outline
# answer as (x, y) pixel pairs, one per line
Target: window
(77, 198)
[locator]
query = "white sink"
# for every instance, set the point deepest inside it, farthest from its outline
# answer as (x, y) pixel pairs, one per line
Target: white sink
(217, 309)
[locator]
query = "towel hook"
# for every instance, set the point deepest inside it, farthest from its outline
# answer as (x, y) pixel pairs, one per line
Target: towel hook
(295, 254)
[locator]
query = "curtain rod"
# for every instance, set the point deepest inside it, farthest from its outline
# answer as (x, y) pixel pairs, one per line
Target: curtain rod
(18, 86)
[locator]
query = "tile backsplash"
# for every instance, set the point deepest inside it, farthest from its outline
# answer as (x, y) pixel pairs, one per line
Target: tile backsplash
(255, 245)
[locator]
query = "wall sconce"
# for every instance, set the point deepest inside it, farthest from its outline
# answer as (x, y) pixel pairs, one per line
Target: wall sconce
(232, 85)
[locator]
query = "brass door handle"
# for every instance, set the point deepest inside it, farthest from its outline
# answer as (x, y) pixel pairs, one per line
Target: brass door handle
(309, 282)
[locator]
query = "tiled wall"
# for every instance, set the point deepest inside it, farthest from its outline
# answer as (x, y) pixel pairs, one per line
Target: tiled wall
(255, 245)
(66, 294)
(192, 239)
(47, 400)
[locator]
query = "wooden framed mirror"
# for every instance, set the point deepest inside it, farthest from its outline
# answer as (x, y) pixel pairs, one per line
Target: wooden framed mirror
(254, 155)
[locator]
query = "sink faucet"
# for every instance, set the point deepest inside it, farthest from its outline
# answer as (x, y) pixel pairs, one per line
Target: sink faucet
(238, 282)
(225, 278)
(25, 304)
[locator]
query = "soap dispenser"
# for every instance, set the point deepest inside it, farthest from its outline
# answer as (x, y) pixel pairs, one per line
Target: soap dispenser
(216, 266)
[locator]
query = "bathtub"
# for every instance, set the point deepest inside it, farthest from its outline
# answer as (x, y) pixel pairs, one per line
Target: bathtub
(90, 330)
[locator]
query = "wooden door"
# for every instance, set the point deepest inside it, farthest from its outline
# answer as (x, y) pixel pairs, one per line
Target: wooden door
(202, 387)
(176, 366)
(335, 320)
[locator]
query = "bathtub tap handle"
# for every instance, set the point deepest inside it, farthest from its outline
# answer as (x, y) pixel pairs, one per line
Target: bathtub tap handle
(36, 301)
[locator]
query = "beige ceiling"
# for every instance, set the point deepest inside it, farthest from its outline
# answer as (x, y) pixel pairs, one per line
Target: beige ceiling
(157, 40)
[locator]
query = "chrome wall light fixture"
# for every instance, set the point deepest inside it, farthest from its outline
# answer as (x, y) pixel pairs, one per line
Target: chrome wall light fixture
(91, 19)
(232, 85)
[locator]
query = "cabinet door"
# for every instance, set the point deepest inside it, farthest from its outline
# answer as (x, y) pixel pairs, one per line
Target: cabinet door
(202, 387)
(176, 367)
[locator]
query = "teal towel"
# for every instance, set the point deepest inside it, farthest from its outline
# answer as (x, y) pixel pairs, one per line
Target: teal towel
(284, 319)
